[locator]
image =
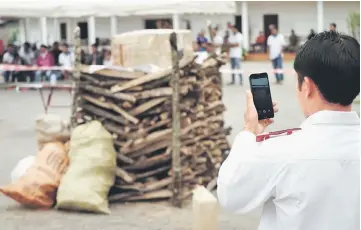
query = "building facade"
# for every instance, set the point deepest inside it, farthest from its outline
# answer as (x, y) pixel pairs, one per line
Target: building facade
(250, 17)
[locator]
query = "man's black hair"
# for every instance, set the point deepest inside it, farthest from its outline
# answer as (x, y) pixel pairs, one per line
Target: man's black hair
(66, 45)
(44, 46)
(333, 24)
(332, 61)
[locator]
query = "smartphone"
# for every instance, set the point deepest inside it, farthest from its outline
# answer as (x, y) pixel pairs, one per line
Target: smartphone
(261, 95)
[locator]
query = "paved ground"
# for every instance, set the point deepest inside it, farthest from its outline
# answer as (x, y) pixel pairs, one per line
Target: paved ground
(17, 114)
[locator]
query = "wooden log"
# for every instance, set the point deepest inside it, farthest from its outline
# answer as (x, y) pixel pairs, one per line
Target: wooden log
(150, 77)
(121, 173)
(107, 93)
(147, 105)
(111, 106)
(154, 172)
(99, 112)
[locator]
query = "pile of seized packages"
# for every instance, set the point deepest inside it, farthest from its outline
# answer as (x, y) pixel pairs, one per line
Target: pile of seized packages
(47, 180)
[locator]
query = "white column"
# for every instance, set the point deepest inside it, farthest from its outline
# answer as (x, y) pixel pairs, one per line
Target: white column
(44, 31)
(176, 21)
(22, 33)
(69, 24)
(320, 16)
(245, 25)
(27, 30)
(91, 30)
(55, 30)
(113, 25)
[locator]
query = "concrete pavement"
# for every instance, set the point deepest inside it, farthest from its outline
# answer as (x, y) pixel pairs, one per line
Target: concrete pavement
(17, 140)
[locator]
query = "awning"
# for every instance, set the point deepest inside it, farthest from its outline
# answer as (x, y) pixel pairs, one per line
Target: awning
(106, 8)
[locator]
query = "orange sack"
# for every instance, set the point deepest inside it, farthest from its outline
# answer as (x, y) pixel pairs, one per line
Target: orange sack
(38, 187)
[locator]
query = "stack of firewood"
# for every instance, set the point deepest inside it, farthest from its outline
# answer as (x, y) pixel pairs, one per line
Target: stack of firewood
(136, 108)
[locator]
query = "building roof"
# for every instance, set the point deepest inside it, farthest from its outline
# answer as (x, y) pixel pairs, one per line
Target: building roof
(105, 8)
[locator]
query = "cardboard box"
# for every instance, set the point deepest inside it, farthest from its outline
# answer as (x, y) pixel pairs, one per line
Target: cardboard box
(148, 47)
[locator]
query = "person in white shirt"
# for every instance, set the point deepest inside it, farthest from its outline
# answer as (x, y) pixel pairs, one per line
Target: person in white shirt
(8, 58)
(217, 42)
(235, 53)
(66, 60)
(309, 180)
(275, 43)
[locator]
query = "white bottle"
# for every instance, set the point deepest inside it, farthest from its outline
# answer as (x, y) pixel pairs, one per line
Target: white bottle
(52, 79)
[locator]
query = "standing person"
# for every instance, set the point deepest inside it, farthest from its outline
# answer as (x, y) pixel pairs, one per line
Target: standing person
(275, 43)
(107, 58)
(8, 59)
(45, 59)
(95, 58)
(309, 180)
(28, 58)
(333, 26)
(311, 35)
(235, 53)
(217, 42)
(202, 41)
(66, 60)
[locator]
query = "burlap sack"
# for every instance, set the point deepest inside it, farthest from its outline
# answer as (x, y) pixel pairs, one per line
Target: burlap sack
(51, 128)
(91, 174)
(38, 187)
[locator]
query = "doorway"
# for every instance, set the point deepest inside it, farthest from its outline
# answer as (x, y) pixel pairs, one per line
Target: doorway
(269, 19)
(238, 20)
(152, 23)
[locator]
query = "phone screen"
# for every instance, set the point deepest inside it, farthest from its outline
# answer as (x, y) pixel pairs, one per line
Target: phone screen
(262, 95)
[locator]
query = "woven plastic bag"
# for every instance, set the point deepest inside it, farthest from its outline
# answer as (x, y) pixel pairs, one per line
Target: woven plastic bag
(37, 187)
(91, 174)
(21, 167)
(50, 128)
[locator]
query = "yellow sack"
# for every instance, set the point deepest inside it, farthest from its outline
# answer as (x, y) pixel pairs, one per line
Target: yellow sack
(91, 174)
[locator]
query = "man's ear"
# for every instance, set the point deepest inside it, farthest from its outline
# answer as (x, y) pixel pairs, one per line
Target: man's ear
(309, 87)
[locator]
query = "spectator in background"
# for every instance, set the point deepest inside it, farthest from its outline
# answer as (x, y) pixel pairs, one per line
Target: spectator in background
(95, 57)
(8, 58)
(28, 58)
(333, 26)
(217, 42)
(235, 53)
(260, 42)
(202, 41)
(45, 59)
(275, 43)
(293, 42)
(66, 60)
(311, 35)
(107, 58)
(35, 50)
(225, 47)
(56, 52)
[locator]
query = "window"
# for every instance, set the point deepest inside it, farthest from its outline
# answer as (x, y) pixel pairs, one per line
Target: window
(63, 31)
(161, 23)
(83, 30)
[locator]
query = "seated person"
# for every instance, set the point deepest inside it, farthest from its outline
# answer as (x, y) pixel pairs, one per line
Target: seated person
(260, 42)
(293, 42)
(45, 58)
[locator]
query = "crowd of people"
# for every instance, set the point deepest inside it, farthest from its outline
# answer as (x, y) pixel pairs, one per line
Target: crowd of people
(232, 44)
(58, 55)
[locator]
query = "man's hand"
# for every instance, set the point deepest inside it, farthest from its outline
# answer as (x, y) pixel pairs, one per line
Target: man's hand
(251, 122)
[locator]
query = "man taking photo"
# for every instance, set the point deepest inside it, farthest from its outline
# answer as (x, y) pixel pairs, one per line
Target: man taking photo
(309, 180)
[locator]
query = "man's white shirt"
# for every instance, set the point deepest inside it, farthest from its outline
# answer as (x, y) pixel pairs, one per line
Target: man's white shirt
(275, 44)
(8, 58)
(235, 52)
(218, 40)
(66, 59)
(309, 180)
